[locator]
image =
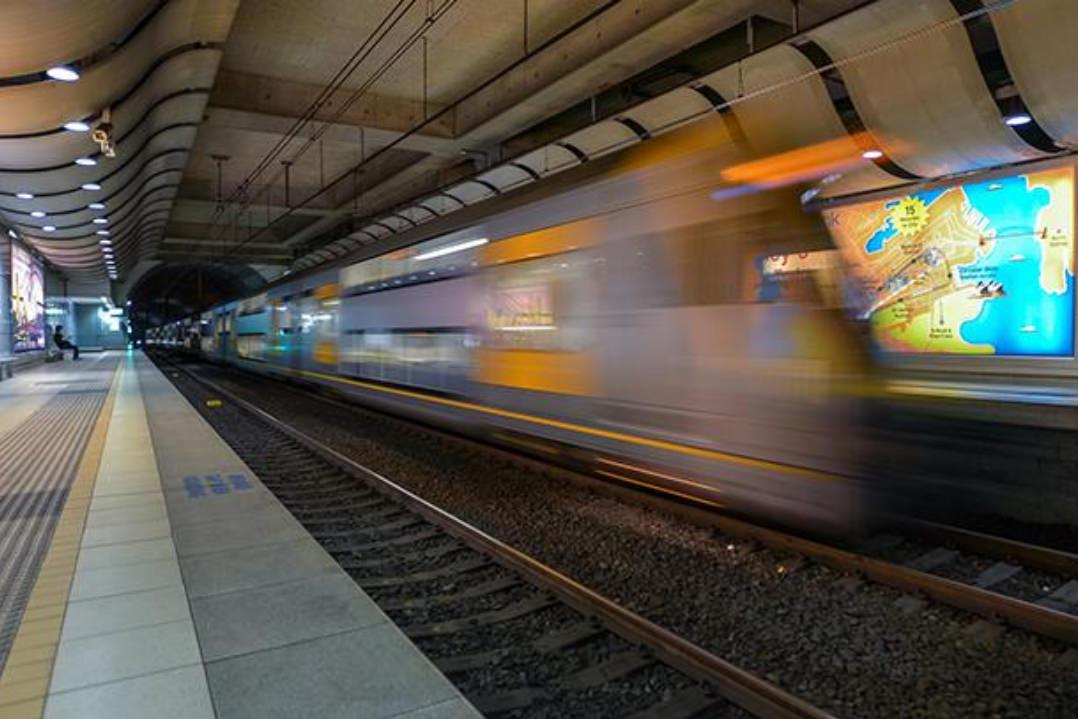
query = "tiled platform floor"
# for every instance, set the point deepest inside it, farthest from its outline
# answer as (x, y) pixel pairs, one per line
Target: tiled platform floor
(195, 594)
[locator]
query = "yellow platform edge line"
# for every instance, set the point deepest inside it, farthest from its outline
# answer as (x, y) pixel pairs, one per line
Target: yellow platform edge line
(25, 680)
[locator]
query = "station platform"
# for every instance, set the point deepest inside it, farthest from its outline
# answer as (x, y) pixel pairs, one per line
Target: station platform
(159, 578)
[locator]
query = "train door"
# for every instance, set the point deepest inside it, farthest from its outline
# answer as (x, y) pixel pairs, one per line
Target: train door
(318, 328)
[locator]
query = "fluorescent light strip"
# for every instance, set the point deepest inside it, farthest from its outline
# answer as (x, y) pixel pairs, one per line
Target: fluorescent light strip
(450, 249)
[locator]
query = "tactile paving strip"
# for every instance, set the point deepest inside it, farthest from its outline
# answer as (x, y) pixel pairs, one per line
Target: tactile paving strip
(38, 461)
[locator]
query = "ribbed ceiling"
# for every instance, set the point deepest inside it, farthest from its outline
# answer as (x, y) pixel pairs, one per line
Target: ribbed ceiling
(146, 66)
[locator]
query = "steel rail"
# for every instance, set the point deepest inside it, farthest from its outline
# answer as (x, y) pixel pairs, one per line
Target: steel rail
(993, 606)
(750, 692)
(1046, 559)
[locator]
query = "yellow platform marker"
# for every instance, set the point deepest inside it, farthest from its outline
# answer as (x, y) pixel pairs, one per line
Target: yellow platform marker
(24, 683)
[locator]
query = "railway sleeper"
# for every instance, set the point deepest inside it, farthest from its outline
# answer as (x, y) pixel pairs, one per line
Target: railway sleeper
(479, 590)
(484, 619)
(404, 557)
(462, 567)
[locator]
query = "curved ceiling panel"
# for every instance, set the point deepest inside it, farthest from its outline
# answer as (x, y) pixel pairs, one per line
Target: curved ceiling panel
(1038, 41)
(192, 73)
(183, 26)
(70, 178)
(544, 159)
(43, 33)
(155, 85)
(602, 138)
(924, 99)
(506, 177)
(670, 110)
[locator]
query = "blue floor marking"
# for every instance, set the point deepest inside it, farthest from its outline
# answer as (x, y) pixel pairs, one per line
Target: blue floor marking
(196, 486)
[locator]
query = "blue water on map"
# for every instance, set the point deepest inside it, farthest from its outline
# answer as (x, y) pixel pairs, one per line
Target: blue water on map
(1027, 320)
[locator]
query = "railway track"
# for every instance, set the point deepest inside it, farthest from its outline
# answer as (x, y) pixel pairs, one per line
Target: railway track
(917, 612)
(518, 638)
(1027, 586)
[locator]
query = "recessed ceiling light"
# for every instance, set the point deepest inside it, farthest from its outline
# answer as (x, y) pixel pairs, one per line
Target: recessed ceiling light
(1018, 119)
(24, 195)
(86, 161)
(92, 186)
(104, 242)
(13, 234)
(100, 220)
(63, 73)
(77, 126)
(48, 228)
(37, 213)
(872, 154)
(103, 232)
(96, 205)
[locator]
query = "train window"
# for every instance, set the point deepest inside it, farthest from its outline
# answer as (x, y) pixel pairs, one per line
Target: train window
(436, 358)
(252, 347)
(543, 304)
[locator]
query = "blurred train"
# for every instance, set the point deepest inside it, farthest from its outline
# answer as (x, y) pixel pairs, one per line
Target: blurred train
(617, 317)
(648, 319)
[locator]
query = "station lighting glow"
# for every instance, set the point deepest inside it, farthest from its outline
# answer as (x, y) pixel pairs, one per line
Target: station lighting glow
(103, 232)
(96, 205)
(37, 213)
(86, 161)
(12, 234)
(77, 126)
(872, 154)
(528, 328)
(24, 195)
(1018, 120)
(92, 186)
(100, 220)
(49, 228)
(63, 73)
(450, 249)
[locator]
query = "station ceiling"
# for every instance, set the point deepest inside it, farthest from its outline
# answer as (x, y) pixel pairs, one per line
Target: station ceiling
(248, 133)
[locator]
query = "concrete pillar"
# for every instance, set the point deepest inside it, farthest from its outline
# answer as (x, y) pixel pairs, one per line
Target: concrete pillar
(5, 296)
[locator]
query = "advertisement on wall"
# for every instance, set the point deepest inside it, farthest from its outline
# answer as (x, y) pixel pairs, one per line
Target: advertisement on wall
(27, 301)
(983, 268)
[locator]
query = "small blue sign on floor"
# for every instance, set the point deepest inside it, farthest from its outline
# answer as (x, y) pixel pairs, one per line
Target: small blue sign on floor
(211, 484)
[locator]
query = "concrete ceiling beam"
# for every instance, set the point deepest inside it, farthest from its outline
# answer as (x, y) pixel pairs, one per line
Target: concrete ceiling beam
(202, 212)
(362, 138)
(602, 53)
(173, 242)
(275, 96)
(239, 257)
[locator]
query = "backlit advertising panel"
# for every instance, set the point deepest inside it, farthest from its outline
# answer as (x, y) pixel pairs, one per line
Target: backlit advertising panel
(983, 268)
(27, 301)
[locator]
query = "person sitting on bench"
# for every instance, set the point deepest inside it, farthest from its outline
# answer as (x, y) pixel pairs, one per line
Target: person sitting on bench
(62, 343)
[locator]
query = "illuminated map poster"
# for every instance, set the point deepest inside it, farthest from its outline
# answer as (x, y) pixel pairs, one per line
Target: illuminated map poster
(983, 268)
(27, 301)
